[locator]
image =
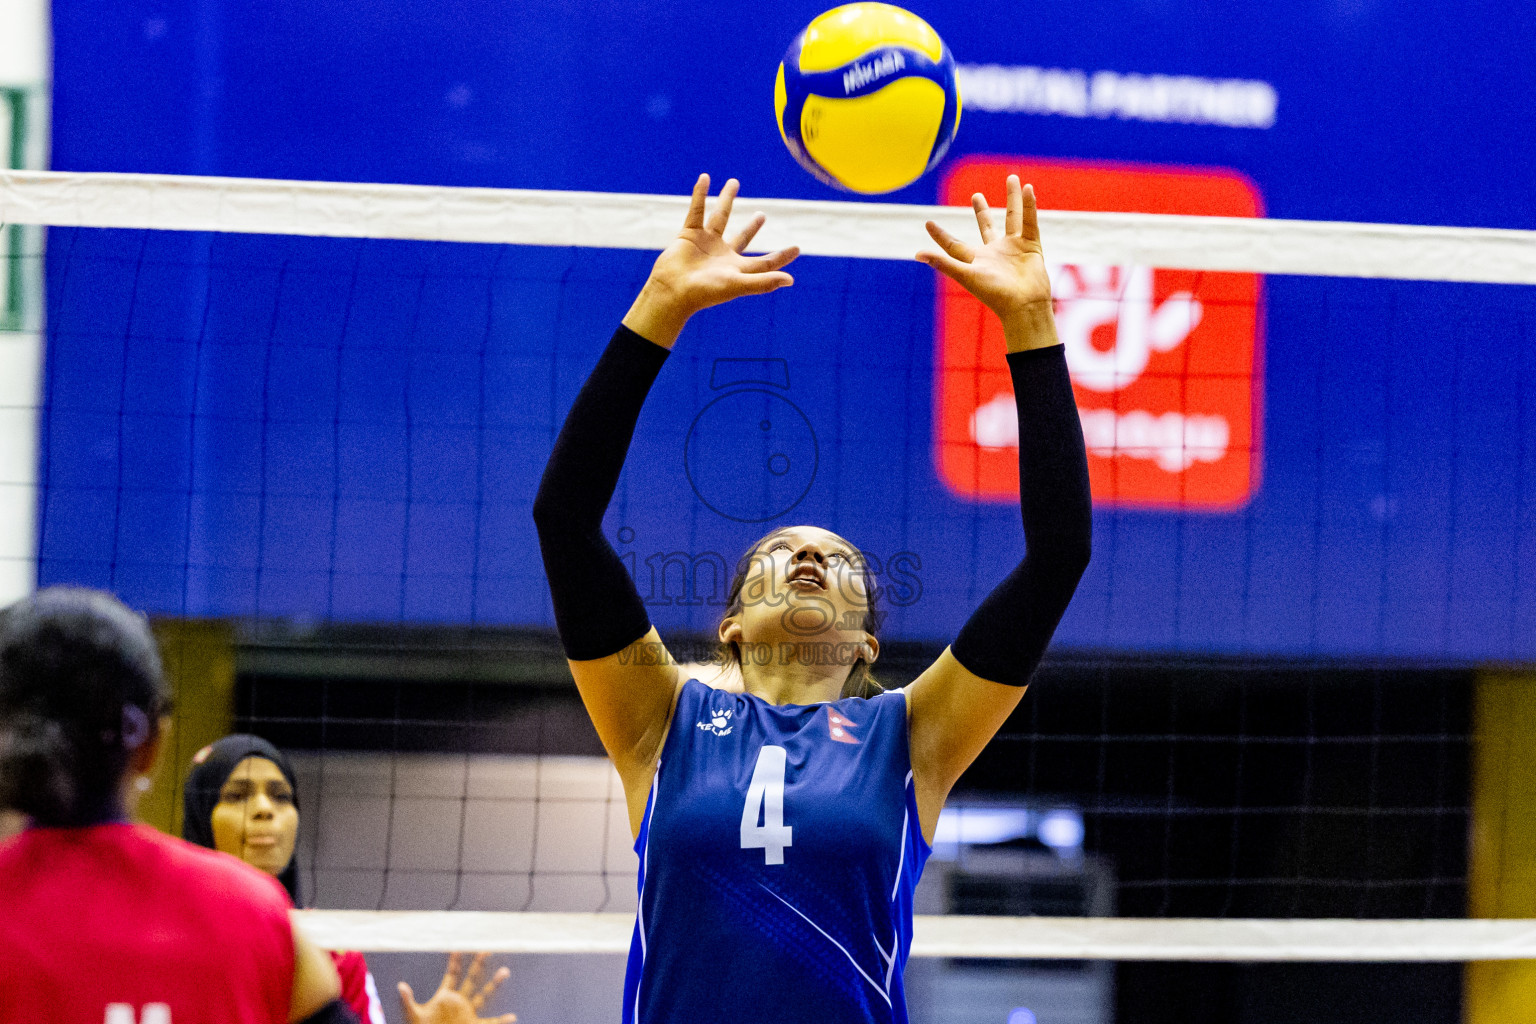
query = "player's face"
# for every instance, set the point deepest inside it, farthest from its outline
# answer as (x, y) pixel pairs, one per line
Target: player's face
(256, 818)
(804, 583)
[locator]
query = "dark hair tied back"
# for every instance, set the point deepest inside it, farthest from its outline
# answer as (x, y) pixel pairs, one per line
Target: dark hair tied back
(36, 768)
(81, 688)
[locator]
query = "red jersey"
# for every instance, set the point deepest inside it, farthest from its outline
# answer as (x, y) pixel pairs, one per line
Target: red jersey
(357, 988)
(121, 924)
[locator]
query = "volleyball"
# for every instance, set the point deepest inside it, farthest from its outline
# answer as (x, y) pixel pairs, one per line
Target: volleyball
(866, 98)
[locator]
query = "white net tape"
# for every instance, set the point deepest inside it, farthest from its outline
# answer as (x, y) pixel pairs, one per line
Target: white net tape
(866, 230)
(1024, 938)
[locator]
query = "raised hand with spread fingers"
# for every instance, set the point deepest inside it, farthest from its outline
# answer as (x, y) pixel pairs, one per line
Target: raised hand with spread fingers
(459, 997)
(1007, 273)
(702, 268)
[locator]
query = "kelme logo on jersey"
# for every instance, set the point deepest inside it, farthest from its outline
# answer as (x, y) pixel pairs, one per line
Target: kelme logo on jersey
(717, 722)
(1164, 362)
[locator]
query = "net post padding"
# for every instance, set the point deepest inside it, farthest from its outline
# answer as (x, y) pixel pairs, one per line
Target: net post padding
(1024, 938)
(820, 228)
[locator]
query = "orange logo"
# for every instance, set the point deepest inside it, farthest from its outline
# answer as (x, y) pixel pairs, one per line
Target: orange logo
(1165, 363)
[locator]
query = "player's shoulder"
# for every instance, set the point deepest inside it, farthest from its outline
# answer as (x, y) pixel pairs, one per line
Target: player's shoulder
(893, 699)
(142, 852)
(12, 850)
(714, 691)
(222, 876)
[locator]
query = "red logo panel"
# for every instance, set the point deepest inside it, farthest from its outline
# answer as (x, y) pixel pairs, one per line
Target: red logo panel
(1165, 363)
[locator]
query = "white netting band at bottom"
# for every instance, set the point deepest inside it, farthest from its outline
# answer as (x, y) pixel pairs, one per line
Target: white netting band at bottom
(1025, 938)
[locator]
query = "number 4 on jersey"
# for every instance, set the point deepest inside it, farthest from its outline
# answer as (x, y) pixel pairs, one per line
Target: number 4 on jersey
(765, 800)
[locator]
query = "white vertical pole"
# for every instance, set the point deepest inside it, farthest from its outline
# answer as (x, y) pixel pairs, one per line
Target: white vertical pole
(20, 372)
(25, 53)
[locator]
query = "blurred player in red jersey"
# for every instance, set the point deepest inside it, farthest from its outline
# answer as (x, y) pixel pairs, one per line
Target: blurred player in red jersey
(241, 797)
(109, 921)
(169, 933)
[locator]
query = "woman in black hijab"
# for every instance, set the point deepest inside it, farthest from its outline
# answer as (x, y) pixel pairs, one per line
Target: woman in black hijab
(241, 797)
(264, 833)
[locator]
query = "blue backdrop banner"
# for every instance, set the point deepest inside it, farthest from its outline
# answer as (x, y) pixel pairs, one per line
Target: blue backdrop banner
(354, 430)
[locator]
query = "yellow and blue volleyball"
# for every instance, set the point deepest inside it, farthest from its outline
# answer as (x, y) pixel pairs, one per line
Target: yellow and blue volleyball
(866, 98)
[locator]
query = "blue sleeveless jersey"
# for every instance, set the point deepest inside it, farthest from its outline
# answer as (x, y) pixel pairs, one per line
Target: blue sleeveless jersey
(778, 857)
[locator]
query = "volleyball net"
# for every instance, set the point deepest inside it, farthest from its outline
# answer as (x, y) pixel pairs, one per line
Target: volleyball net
(301, 424)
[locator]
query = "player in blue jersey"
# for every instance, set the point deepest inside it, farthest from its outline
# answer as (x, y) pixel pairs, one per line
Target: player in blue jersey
(781, 829)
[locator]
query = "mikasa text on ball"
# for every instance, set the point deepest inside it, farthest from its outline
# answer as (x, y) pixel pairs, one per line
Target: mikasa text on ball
(866, 97)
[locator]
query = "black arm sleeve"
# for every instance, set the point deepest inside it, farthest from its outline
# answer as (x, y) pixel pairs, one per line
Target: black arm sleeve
(597, 609)
(1005, 638)
(333, 1012)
